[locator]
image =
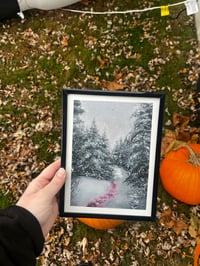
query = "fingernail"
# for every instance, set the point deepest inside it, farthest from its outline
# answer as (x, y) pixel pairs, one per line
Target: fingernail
(61, 172)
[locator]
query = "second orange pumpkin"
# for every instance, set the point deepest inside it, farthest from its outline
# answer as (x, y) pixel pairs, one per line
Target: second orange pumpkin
(180, 173)
(102, 224)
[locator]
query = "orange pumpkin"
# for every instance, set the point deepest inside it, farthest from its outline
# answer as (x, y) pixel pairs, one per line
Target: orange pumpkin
(99, 223)
(180, 173)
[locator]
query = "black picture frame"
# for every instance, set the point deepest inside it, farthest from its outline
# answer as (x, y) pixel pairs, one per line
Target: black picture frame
(111, 152)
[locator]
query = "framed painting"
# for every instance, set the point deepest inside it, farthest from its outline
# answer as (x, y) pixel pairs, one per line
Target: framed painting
(111, 152)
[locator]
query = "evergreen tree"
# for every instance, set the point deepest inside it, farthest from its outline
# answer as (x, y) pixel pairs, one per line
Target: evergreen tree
(133, 152)
(91, 167)
(78, 139)
(96, 154)
(106, 157)
(90, 152)
(121, 153)
(139, 143)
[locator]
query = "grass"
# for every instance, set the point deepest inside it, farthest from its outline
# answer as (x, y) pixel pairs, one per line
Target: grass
(5, 200)
(51, 50)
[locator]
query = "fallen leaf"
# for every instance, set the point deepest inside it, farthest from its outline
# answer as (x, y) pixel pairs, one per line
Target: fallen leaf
(194, 227)
(179, 226)
(180, 120)
(118, 76)
(170, 221)
(194, 138)
(166, 140)
(167, 218)
(64, 42)
(182, 133)
(182, 136)
(137, 56)
(173, 145)
(84, 244)
(101, 61)
(113, 85)
(183, 71)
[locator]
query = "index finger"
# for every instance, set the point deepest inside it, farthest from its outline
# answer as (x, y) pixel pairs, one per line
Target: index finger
(44, 177)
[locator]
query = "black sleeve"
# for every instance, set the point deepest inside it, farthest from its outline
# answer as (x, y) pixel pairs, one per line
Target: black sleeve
(8, 8)
(21, 238)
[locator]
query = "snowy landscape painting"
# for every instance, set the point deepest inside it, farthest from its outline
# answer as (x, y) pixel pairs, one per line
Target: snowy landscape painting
(111, 144)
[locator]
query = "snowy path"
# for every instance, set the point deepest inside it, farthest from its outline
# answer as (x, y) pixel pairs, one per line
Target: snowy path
(122, 199)
(92, 192)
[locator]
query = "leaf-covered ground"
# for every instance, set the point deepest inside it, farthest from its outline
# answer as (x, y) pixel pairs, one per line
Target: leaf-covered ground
(137, 52)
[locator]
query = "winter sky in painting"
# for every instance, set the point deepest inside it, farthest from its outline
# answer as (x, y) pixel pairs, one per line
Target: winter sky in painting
(111, 117)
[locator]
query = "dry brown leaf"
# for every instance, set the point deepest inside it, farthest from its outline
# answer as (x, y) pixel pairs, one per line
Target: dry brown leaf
(24, 152)
(175, 144)
(84, 244)
(194, 227)
(170, 134)
(194, 138)
(101, 61)
(167, 139)
(182, 133)
(179, 226)
(181, 123)
(183, 71)
(194, 130)
(167, 218)
(64, 42)
(180, 120)
(118, 76)
(149, 237)
(192, 231)
(113, 85)
(137, 56)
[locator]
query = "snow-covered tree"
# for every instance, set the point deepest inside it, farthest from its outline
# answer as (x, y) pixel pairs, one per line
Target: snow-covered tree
(139, 143)
(106, 157)
(133, 153)
(91, 155)
(121, 153)
(97, 156)
(78, 139)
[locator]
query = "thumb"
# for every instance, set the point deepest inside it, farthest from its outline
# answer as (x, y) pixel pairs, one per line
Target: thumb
(56, 183)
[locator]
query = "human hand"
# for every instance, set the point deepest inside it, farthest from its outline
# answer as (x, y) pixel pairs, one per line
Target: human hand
(40, 197)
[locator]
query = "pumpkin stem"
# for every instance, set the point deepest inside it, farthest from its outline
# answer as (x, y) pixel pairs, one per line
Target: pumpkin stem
(193, 157)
